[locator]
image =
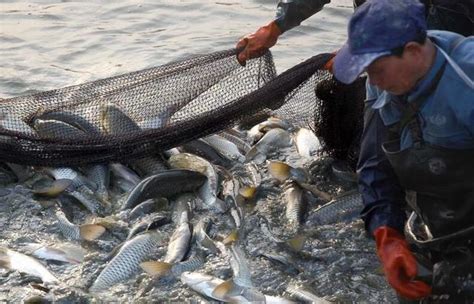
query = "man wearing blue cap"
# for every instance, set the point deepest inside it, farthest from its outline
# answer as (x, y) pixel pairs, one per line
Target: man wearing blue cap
(417, 146)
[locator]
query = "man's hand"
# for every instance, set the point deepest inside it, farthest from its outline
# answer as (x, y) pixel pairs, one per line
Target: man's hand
(256, 44)
(399, 264)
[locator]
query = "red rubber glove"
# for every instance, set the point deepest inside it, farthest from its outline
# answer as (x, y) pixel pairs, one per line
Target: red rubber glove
(328, 65)
(399, 264)
(256, 44)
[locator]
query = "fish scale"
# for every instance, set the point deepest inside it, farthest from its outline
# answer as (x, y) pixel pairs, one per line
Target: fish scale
(68, 229)
(127, 261)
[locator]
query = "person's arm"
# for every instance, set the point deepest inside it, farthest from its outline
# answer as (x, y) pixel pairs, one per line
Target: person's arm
(381, 192)
(290, 13)
(383, 213)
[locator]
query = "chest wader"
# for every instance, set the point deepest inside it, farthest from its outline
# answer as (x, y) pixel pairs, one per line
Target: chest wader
(439, 185)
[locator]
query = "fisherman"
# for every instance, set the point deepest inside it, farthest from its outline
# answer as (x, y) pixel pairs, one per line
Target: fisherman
(417, 146)
(450, 15)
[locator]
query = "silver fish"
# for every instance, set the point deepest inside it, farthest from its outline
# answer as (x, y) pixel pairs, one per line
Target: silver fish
(179, 241)
(295, 204)
(10, 259)
(164, 184)
(307, 143)
(75, 232)
(68, 253)
(225, 147)
(208, 191)
(100, 176)
(271, 141)
(343, 208)
(241, 144)
(127, 261)
(116, 122)
(160, 269)
(305, 295)
(56, 129)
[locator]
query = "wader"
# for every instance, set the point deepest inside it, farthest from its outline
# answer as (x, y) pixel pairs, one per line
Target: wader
(439, 184)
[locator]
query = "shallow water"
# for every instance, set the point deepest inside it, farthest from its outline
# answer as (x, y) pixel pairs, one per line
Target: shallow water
(47, 45)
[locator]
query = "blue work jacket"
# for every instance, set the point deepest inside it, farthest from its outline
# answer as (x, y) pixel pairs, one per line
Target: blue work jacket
(446, 118)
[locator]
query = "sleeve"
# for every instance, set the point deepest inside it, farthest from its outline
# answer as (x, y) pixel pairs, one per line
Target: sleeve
(290, 13)
(381, 192)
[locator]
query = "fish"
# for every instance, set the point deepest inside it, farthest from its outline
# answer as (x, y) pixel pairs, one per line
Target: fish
(161, 269)
(305, 295)
(72, 119)
(127, 260)
(239, 142)
(179, 242)
(100, 176)
(201, 237)
(67, 253)
(295, 204)
(148, 206)
(123, 172)
(295, 243)
(13, 260)
(55, 129)
(164, 184)
(80, 188)
(241, 283)
(283, 261)
(225, 147)
(201, 148)
(208, 191)
(115, 122)
(314, 190)
(206, 284)
(273, 123)
(149, 222)
(307, 144)
(271, 141)
(343, 208)
(57, 187)
(283, 172)
(74, 232)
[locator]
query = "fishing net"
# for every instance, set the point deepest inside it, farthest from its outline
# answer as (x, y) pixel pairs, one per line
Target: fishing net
(165, 106)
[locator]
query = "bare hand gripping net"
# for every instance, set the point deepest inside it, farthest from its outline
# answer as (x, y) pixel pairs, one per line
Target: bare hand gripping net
(145, 112)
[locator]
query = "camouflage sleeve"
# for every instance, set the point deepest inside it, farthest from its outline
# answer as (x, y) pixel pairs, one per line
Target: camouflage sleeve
(290, 13)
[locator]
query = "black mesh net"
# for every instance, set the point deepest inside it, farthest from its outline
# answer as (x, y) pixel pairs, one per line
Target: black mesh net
(146, 112)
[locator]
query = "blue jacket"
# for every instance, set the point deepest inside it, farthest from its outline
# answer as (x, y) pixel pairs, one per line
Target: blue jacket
(447, 120)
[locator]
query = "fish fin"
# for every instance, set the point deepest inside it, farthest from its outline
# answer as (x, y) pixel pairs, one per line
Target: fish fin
(279, 170)
(297, 242)
(91, 231)
(55, 189)
(223, 289)
(248, 192)
(231, 238)
(156, 268)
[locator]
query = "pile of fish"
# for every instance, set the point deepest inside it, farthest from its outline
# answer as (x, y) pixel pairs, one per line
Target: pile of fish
(245, 215)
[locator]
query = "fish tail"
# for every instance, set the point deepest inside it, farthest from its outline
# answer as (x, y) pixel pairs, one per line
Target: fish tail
(296, 243)
(91, 231)
(223, 289)
(279, 170)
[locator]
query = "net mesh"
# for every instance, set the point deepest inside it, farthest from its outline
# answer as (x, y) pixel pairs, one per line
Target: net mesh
(146, 112)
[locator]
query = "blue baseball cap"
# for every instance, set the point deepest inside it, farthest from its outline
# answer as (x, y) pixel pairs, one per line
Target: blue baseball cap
(376, 28)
